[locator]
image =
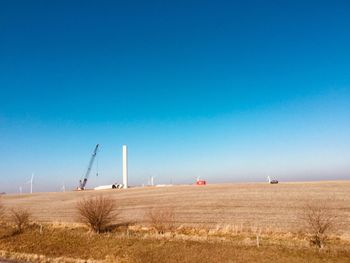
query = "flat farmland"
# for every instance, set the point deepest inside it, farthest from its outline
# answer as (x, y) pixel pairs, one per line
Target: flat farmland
(249, 204)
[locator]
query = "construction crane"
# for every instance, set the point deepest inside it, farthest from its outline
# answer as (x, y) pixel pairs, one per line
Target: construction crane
(83, 180)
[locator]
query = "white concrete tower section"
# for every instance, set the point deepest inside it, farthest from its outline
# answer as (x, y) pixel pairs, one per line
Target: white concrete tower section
(125, 166)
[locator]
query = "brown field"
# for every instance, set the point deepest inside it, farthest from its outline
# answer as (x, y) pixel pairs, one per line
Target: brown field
(203, 214)
(252, 204)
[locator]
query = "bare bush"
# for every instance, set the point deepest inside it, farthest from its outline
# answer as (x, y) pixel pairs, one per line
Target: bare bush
(319, 222)
(98, 213)
(161, 219)
(20, 218)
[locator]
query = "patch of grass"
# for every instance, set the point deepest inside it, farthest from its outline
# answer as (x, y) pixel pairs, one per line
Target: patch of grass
(79, 244)
(161, 219)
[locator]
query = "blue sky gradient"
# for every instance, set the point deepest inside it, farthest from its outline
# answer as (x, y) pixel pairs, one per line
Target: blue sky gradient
(227, 90)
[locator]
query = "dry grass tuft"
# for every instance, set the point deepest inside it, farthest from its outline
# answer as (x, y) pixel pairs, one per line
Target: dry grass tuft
(98, 213)
(319, 222)
(20, 218)
(161, 219)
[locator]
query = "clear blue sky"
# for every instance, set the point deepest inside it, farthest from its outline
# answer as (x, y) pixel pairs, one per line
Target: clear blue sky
(227, 90)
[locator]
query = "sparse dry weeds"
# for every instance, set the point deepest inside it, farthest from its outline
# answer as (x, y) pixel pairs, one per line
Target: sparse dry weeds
(76, 244)
(161, 219)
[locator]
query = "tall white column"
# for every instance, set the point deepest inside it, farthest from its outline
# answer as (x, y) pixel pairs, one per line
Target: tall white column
(125, 166)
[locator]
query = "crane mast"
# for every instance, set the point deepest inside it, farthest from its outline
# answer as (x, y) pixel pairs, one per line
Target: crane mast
(83, 181)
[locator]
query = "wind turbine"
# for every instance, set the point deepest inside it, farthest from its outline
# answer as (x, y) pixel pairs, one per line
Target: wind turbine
(63, 187)
(31, 183)
(269, 179)
(151, 181)
(20, 190)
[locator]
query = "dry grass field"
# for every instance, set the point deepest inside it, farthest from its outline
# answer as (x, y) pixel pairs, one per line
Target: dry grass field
(64, 245)
(274, 207)
(202, 215)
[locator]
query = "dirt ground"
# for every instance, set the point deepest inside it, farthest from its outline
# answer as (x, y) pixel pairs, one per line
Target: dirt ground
(255, 204)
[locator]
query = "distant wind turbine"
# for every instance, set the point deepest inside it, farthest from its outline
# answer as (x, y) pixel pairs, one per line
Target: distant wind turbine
(31, 183)
(269, 179)
(151, 181)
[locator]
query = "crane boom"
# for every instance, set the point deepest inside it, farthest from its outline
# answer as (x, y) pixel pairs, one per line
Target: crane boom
(83, 181)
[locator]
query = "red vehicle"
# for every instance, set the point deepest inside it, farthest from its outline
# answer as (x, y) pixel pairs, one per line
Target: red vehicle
(201, 182)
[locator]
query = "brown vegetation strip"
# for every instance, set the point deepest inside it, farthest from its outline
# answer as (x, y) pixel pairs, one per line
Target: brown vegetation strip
(113, 247)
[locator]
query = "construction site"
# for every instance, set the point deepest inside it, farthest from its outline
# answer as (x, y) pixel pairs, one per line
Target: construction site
(201, 211)
(124, 185)
(266, 205)
(250, 216)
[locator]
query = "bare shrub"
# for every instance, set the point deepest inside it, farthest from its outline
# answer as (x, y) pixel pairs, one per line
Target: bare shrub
(319, 222)
(20, 218)
(98, 213)
(161, 219)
